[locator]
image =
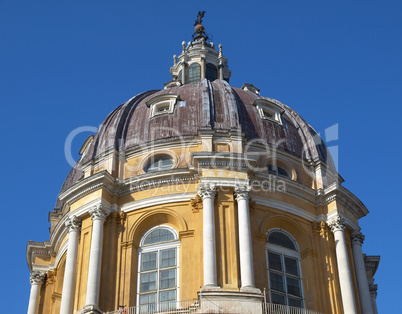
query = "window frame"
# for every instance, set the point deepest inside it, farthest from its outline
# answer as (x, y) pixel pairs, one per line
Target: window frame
(275, 170)
(191, 67)
(155, 158)
(158, 247)
(161, 101)
(284, 252)
(264, 107)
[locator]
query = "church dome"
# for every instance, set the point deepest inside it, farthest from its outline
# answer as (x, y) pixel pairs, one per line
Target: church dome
(194, 199)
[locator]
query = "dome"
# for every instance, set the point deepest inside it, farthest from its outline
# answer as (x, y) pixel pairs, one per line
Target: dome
(207, 105)
(207, 187)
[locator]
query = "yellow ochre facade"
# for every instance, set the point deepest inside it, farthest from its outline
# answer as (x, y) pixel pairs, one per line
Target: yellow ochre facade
(203, 198)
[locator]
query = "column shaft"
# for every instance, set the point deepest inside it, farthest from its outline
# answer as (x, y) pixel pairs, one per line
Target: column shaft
(362, 283)
(207, 192)
(36, 279)
(95, 257)
(67, 297)
(245, 244)
(345, 277)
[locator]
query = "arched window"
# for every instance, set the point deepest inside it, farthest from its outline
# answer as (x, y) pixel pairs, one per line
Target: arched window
(194, 73)
(159, 163)
(158, 270)
(284, 273)
(212, 72)
(278, 170)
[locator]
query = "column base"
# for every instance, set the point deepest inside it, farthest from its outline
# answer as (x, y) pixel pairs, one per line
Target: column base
(250, 289)
(91, 309)
(210, 288)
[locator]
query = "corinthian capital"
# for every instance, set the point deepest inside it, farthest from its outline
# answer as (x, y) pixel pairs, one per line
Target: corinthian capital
(37, 278)
(73, 223)
(98, 212)
(206, 190)
(337, 224)
(357, 237)
(242, 192)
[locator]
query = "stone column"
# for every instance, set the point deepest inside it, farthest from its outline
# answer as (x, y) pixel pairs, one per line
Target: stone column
(98, 215)
(37, 279)
(373, 295)
(245, 245)
(362, 283)
(207, 193)
(67, 298)
(338, 226)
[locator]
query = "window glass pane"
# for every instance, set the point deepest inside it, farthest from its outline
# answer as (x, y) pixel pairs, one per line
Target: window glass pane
(276, 281)
(291, 265)
(159, 235)
(148, 261)
(194, 73)
(281, 239)
(168, 295)
(274, 261)
(278, 298)
(167, 258)
(148, 298)
(271, 169)
(160, 163)
(167, 300)
(167, 279)
(293, 286)
(212, 72)
(282, 172)
(295, 302)
(148, 282)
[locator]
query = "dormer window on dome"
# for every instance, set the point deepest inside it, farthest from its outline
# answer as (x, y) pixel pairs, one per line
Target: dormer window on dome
(269, 110)
(162, 104)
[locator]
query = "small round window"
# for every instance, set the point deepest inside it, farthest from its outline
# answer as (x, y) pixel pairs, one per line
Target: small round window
(159, 163)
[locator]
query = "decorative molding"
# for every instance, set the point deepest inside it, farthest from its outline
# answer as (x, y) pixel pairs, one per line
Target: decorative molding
(196, 204)
(242, 192)
(73, 223)
(51, 277)
(206, 190)
(99, 212)
(186, 234)
(309, 252)
(357, 238)
(37, 277)
(337, 224)
(321, 228)
(56, 296)
(157, 200)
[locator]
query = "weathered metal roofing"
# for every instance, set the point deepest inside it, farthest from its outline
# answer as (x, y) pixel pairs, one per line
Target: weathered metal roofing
(203, 106)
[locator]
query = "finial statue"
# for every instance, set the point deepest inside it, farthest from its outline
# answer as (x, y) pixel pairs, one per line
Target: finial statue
(199, 18)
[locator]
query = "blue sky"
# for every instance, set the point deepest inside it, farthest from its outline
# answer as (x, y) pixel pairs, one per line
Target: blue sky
(65, 65)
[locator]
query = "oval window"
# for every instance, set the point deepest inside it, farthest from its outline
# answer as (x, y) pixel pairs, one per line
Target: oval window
(159, 163)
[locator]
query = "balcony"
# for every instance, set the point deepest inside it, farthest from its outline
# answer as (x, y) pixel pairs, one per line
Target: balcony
(213, 306)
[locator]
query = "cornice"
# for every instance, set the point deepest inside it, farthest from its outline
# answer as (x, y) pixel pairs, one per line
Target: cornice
(292, 209)
(227, 161)
(157, 200)
(338, 193)
(87, 186)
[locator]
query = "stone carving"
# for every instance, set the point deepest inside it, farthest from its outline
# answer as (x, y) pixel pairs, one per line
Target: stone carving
(357, 237)
(73, 223)
(337, 224)
(37, 278)
(99, 213)
(196, 203)
(321, 228)
(242, 192)
(206, 190)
